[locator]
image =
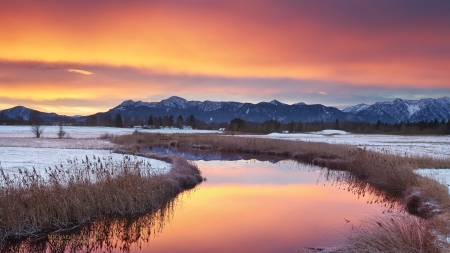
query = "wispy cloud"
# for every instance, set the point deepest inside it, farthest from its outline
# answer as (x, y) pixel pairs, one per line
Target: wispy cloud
(79, 71)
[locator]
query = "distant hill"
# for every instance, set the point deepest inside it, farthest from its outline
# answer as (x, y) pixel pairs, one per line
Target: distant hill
(213, 111)
(20, 113)
(225, 111)
(403, 110)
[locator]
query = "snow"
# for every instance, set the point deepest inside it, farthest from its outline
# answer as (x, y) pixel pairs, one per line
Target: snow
(55, 143)
(440, 175)
(356, 108)
(412, 109)
(80, 132)
(433, 146)
(14, 158)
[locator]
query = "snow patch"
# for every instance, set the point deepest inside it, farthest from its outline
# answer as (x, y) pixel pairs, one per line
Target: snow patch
(440, 175)
(14, 158)
(413, 109)
(80, 132)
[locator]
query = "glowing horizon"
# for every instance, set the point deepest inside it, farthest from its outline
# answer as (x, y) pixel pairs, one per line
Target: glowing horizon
(337, 54)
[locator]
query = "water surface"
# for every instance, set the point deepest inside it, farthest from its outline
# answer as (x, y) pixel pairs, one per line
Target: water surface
(244, 206)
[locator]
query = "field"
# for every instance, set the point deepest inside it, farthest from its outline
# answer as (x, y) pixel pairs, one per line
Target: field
(385, 161)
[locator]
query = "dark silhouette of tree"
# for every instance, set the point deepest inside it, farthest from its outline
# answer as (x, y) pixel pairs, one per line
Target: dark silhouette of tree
(61, 132)
(191, 122)
(291, 127)
(237, 124)
(150, 121)
(180, 122)
(137, 120)
(36, 123)
(337, 126)
(118, 122)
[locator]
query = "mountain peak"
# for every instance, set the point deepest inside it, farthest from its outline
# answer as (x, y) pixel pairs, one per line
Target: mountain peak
(127, 103)
(174, 101)
(276, 102)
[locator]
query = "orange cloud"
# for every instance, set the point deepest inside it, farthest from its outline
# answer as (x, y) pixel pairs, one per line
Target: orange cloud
(229, 44)
(79, 71)
(255, 39)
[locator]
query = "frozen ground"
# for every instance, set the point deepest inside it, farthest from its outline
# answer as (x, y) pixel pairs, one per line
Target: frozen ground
(440, 175)
(14, 158)
(435, 146)
(55, 143)
(80, 132)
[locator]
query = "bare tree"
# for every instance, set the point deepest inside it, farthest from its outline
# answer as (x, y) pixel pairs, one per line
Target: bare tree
(37, 130)
(36, 123)
(61, 132)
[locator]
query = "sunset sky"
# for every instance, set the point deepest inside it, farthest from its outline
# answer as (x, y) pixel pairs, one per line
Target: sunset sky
(81, 57)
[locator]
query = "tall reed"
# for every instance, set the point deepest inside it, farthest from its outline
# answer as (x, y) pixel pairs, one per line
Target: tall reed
(32, 203)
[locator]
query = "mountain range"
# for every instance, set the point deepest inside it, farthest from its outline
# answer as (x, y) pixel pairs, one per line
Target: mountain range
(212, 111)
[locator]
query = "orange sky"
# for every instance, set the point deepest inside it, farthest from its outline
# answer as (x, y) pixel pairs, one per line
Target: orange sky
(80, 57)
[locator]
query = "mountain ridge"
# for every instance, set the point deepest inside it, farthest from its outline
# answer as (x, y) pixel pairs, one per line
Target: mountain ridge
(223, 111)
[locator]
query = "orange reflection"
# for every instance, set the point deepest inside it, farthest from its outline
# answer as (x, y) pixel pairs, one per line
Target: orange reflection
(223, 39)
(260, 218)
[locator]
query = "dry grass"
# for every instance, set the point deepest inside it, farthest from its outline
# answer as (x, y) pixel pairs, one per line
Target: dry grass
(32, 204)
(423, 197)
(394, 233)
(107, 234)
(387, 171)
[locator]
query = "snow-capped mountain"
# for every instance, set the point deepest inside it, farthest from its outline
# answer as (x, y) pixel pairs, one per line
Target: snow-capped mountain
(356, 108)
(23, 113)
(391, 112)
(18, 111)
(225, 111)
(404, 110)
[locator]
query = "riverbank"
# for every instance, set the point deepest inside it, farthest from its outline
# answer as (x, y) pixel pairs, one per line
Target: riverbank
(34, 204)
(421, 196)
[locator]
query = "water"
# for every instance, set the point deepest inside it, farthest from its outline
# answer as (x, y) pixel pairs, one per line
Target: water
(244, 206)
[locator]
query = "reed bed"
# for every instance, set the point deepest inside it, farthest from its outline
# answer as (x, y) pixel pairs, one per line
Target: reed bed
(33, 203)
(427, 199)
(383, 170)
(392, 234)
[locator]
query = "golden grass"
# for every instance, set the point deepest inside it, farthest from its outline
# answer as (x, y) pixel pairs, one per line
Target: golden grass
(423, 197)
(395, 233)
(32, 204)
(106, 234)
(391, 172)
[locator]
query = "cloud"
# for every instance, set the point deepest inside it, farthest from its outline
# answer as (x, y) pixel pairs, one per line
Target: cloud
(50, 85)
(79, 71)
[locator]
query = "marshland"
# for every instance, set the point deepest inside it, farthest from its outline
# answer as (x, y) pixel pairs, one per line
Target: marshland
(257, 193)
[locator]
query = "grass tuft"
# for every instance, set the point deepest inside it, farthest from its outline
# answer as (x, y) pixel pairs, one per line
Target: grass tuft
(32, 204)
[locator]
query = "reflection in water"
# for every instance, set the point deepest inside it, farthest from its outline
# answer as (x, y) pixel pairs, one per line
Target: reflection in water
(103, 235)
(244, 206)
(346, 181)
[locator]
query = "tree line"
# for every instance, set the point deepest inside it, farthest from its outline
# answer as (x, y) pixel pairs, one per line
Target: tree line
(423, 127)
(432, 127)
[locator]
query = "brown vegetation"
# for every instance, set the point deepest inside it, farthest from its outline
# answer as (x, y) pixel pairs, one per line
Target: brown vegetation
(394, 233)
(107, 234)
(423, 197)
(32, 204)
(390, 172)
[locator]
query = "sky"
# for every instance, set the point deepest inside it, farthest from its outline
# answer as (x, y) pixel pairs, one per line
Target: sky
(82, 57)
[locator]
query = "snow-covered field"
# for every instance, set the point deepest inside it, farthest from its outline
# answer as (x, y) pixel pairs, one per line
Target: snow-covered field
(14, 158)
(80, 132)
(440, 175)
(19, 149)
(435, 146)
